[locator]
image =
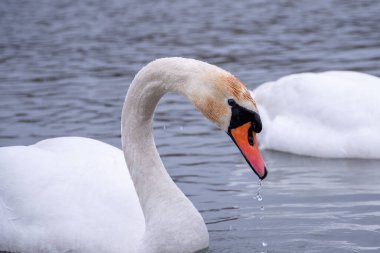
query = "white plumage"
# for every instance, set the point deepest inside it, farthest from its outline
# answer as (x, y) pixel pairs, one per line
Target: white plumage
(76, 194)
(60, 194)
(328, 114)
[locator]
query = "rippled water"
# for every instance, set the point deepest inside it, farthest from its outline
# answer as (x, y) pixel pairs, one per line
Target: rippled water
(65, 67)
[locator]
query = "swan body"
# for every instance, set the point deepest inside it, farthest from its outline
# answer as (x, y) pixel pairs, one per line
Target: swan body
(75, 194)
(330, 114)
(65, 194)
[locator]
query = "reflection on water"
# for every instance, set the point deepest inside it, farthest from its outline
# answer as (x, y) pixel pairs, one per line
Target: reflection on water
(65, 67)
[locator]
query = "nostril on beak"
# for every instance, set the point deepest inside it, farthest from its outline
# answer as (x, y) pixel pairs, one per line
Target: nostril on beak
(251, 140)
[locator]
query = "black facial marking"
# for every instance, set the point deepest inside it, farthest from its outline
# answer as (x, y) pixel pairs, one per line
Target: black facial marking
(241, 115)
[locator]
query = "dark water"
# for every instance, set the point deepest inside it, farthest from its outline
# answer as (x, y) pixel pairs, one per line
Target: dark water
(65, 67)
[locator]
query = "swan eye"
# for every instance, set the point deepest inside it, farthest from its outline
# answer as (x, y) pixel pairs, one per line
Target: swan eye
(231, 102)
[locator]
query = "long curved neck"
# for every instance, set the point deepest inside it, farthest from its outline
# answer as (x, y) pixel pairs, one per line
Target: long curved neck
(143, 160)
(165, 207)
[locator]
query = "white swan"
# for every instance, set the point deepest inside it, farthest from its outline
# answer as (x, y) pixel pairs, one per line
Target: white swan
(75, 194)
(329, 114)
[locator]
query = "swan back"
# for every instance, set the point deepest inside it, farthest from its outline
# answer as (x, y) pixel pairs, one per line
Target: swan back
(67, 194)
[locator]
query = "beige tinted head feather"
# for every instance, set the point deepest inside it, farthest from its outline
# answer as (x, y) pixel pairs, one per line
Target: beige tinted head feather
(211, 98)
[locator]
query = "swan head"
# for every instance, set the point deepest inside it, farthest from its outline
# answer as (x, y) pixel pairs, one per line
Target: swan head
(224, 100)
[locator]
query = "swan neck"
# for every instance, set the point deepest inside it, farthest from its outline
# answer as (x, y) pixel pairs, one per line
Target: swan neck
(164, 205)
(143, 160)
(149, 85)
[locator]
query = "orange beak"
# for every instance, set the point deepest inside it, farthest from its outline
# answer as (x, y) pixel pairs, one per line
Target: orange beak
(245, 139)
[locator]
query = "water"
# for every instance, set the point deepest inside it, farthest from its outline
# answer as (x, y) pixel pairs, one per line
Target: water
(65, 67)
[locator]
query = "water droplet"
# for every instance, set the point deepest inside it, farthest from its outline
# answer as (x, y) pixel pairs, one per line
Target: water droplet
(181, 128)
(164, 127)
(259, 197)
(264, 244)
